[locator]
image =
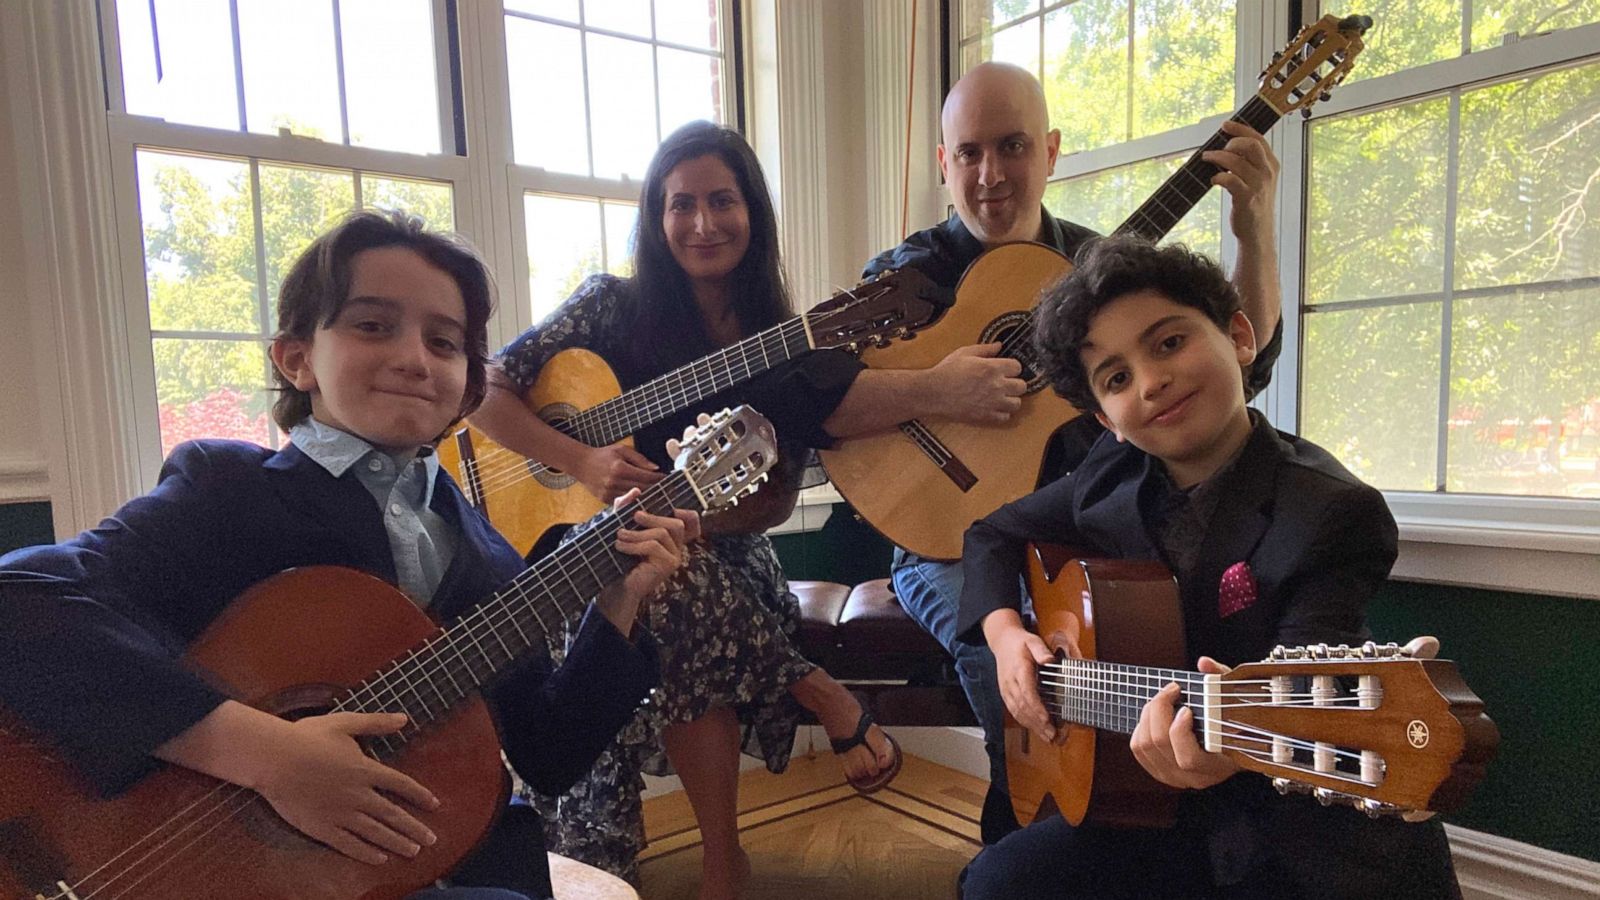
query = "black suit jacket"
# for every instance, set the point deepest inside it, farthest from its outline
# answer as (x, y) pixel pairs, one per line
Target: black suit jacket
(1318, 541)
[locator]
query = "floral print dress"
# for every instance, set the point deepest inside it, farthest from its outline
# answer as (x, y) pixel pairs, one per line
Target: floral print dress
(724, 622)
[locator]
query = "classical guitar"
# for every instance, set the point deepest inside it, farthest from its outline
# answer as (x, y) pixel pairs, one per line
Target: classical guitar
(578, 395)
(1374, 726)
(325, 639)
(923, 483)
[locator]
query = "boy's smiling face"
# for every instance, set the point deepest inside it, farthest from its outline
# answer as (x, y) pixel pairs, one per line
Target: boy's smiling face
(392, 367)
(1170, 381)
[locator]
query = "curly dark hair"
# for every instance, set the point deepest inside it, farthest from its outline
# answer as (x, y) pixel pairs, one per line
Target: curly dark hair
(1110, 268)
(316, 287)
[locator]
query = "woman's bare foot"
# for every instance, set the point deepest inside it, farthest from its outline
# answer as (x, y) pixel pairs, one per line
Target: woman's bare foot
(864, 761)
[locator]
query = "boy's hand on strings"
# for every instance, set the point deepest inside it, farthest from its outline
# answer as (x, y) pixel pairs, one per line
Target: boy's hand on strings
(658, 542)
(610, 472)
(1018, 653)
(317, 778)
(1164, 742)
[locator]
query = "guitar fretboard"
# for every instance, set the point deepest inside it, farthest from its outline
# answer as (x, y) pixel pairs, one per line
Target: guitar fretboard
(1180, 192)
(1109, 696)
(621, 416)
(427, 683)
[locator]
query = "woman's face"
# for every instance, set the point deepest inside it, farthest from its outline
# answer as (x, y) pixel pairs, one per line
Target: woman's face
(705, 219)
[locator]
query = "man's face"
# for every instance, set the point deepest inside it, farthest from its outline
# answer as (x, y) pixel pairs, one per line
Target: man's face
(996, 158)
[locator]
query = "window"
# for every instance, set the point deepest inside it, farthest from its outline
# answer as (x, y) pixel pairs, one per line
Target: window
(1451, 319)
(1117, 71)
(632, 71)
(242, 129)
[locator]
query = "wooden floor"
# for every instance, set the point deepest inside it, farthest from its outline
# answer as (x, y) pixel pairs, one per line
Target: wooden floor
(811, 837)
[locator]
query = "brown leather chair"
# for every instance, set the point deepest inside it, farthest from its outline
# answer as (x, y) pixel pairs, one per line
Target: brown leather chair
(865, 640)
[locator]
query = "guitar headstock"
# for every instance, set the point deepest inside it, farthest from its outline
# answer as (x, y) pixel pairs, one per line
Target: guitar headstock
(886, 307)
(728, 456)
(1372, 726)
(1318, 58)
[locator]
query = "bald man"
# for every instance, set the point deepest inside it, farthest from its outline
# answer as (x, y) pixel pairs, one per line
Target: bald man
(997, 155)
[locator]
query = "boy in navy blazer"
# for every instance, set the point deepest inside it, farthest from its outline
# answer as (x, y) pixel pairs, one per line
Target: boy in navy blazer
(381, 347)
(1271, 540)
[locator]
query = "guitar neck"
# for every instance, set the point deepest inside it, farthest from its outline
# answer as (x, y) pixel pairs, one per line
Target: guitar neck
(1110, 696)
(1185, 188)
(621, 416)
(428, 682)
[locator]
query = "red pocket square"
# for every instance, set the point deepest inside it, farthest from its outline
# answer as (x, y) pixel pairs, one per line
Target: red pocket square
(1237, 591)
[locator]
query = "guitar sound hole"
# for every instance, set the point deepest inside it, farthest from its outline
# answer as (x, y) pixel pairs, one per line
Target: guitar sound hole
(557, 416)
(1008, 330)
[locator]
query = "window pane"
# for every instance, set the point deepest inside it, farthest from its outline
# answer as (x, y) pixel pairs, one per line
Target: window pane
(1409, 33)
(692, 23)
(690, 87)
(211, 389)
(1525, 394)
(297, 204)
(1182, 63)
(1371, 392)
(547, 124)
(199, 243)
(563, 247)
(1018, 45)
(626, 16)
(291, 78)
(620, 220)
(977, 17)
(431, 200)
(1003, 11)
(1086, 73)
(1492, 20)
(191, 78)
(1375, 225)
(622, 106)
(565, 10)
(1529, 207)
(1104, 200)
(395, 107)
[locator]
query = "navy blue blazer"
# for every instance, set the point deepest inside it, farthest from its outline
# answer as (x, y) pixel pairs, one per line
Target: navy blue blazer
(91, 629)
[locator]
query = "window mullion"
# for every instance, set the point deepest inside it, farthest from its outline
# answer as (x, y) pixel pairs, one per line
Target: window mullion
(238, 62)
(1447, 309)
(338, 70)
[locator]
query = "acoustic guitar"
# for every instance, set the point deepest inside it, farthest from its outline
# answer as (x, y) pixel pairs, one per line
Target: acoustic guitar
(921, 484)
(324, 639)
(578, 394)
(1376, 726)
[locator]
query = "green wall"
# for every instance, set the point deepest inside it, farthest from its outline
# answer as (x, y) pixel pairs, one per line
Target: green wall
(24, 524)
(1535, 661)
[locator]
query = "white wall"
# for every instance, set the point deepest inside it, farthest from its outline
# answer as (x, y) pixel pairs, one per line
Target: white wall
(22, 454)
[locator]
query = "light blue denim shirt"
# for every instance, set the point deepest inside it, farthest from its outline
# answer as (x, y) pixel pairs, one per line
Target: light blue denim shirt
(422, 542)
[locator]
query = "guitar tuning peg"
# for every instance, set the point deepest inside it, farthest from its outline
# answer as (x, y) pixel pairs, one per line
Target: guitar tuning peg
(1327, 796)
(1324, 96)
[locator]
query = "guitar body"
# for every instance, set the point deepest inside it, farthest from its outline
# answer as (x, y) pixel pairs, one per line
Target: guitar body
(523, 499)
(1123, 611)
(893, 483)
(287, 645)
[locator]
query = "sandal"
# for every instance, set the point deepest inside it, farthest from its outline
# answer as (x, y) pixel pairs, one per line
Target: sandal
(872, 783)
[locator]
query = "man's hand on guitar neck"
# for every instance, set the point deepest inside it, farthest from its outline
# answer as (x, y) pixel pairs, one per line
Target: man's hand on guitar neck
(1018, 653)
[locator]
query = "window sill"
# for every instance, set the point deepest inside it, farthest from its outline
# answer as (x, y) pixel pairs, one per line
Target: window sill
(1528, 545)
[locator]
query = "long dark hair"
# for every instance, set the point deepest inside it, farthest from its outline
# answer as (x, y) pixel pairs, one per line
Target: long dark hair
(318, 284)
(662, 301)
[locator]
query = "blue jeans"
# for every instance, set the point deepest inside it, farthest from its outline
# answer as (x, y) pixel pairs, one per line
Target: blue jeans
(930, 592)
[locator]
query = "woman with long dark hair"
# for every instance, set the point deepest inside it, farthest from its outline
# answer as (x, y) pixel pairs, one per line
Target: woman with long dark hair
(706, 274)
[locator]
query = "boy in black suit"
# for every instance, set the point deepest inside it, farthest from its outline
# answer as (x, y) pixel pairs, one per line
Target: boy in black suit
(1272, 541)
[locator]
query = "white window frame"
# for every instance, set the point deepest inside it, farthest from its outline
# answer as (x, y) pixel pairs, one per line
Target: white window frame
(1532, 544)
(520, 179)
(1545, 545)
